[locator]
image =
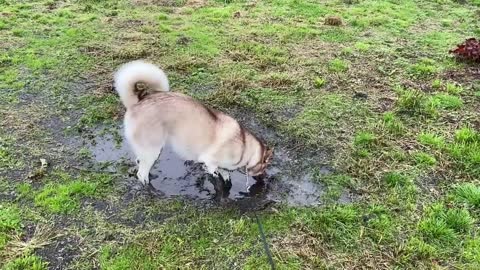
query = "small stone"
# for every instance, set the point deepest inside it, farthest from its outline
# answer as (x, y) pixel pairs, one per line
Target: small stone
(43, 163)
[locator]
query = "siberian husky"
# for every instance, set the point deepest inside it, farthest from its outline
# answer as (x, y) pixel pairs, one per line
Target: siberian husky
(194, 131)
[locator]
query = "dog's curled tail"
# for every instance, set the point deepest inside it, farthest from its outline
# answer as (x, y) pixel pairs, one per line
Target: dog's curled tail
(138, 71)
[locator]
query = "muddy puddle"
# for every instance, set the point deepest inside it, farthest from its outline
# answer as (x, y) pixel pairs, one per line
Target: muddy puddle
(172, 176)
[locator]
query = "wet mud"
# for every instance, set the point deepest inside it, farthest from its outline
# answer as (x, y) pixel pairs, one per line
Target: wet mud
(286, 182)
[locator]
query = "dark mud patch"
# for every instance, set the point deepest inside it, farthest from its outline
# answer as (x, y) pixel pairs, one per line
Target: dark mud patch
(100, 206)
(56, 247)
(289, 179)
(60, 253)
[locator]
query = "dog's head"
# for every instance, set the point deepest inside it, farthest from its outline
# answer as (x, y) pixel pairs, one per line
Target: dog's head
(260, 167)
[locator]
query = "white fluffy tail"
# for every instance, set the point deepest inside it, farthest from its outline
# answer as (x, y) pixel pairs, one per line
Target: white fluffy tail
(138, 71)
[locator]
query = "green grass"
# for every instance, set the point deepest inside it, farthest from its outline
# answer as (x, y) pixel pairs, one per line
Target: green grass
(64, 198)
(465, 150)
(432, 140)
(364, 139)
(27, 262)
(437, 84)
(10, 221)
(416, 102)
(468, 193)
(441, 233)
(393, 124)
(323, 116)
(24, 189)
(423, 159)
(319, 82)
(266, 99)
(395, 179)
(424, 68)
(454, 89)
(442, 225)
(467, 135)
(337, 66)
(378, 99)
(445, 101)
(104, 109)
(362, 47)
(471, 253)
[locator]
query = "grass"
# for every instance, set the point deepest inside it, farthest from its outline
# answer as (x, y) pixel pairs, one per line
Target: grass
(423, 159)
(336, 184)
(364, 139)
(393, 124)
(454, 89)
(377, 99)
(468, 193)
(27, 262)
(395, 179)
(424, 68)
(7, 159)
(319, 82)
(10, 222)
(466, 135)
(465, 150)
(432, 140)
(337, 66)
(445, 101)
(443, 226)
(415, 102)
(324, 115)
(63, 198)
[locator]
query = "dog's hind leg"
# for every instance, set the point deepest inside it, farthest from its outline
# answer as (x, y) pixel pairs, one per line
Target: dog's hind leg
(146, 146)
(146, 158)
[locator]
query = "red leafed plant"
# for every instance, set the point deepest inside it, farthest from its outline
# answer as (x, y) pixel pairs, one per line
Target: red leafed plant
(469, 50)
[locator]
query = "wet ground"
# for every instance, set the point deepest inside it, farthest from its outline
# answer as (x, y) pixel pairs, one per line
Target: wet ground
(172, 176)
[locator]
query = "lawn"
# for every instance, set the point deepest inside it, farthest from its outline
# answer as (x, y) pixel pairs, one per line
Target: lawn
(376, 99)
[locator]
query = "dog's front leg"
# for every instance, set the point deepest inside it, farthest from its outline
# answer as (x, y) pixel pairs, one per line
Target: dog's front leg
(211, 169)
(224, 173)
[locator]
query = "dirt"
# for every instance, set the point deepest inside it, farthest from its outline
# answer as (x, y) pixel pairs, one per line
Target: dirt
(286, 181)
(61, 252)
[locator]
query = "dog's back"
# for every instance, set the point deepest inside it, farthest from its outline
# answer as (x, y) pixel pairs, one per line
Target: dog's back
(188, 126)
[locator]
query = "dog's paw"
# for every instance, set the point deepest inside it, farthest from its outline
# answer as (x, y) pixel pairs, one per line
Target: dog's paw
(143, 179)
(144, 182)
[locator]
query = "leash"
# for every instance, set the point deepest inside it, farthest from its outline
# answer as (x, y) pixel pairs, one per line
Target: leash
(264, 240)
(262, 233)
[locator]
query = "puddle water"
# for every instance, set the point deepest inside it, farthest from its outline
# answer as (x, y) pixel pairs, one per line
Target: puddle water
(172, 176)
